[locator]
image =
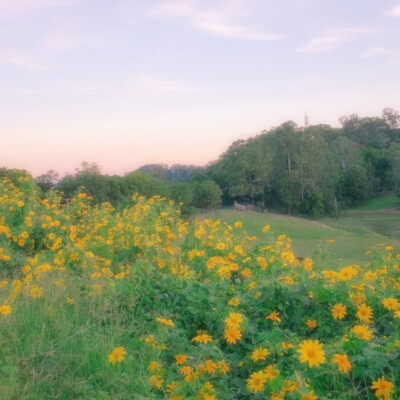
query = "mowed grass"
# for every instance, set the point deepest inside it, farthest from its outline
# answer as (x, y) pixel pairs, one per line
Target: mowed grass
(352, 234)
(382, 203)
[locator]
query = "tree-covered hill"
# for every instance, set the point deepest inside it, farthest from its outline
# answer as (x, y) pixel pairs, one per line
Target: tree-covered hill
(311, 171)
(314, 171)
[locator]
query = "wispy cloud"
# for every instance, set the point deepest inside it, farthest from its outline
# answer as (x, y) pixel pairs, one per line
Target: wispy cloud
(67, 35)
(391, 54)
(12, 8)
(377, 51)
(394, 12)
(332, 39)
(221, 21)
(22, 60)
(150, 85)
(144, 85)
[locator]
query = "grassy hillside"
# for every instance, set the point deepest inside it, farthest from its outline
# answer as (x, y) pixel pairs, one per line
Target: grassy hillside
(352, 234)
(382, 203)
(141, 304)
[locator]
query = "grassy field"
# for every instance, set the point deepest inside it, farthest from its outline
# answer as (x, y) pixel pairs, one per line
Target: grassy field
(352, 234)
(390, 201)
(141, 304)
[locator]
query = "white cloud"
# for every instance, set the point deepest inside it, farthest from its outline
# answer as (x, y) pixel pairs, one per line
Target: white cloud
(220, 21)
(394, 12)
(332, 39)
(12, 8)
(20, 59)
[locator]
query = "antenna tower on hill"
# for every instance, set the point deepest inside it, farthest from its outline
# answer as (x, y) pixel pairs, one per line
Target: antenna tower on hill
(305, 120)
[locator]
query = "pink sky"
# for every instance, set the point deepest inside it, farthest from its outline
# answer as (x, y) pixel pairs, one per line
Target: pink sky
(126, 83)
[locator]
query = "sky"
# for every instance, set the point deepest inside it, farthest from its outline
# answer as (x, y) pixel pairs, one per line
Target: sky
(124, 83)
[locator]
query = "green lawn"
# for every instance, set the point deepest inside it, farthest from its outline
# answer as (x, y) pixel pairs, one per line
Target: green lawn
(352, 234)
(389, 201)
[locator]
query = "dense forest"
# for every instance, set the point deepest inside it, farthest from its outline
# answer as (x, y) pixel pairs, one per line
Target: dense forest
(312, 171)
(308, 171)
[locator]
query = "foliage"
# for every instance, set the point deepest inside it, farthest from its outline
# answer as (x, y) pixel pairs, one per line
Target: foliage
(302, 171)
(138, 303)
(175, 173)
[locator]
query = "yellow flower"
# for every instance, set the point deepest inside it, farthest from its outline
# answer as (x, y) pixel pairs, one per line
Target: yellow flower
(232, 334)
(311, 323)
(259, 354)
(382, 388)
(202, 338)
(287, 346)
(117, 355)
(274, 316)
(338, 311)
(166, 322)
(391, 304)
(223, 366)
(5, 309)
(290, 386)
(363, 332)
(154, 366)
(287, 279)
(3, 284)
(172, 387)
(252, 285)
(256, 382)
(234, 302)
(210, 366)
(262, 262)
(271, 372)
(246, 273)
(364, 313)
(311, 352)
(342, 362)
(180, 359)
(207, 392)
(188, 373)
(234, 319)
(309, 396)
(36, 292)
(308, 264)
(156, 381)
(266, 228)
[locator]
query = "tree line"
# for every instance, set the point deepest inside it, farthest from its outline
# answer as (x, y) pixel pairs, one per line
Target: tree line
(308, 171)
(186, 185)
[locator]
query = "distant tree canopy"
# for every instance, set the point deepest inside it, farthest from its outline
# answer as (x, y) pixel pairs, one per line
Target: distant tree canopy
(118, 190)
(288, 168)
(307, 171)
(175, 173)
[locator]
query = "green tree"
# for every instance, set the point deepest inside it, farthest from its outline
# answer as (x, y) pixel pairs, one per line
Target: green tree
(207, 195)
(356, 185)
(48, 180)
(394, 160)
(391, 117)
(182, 194)
(144, 184)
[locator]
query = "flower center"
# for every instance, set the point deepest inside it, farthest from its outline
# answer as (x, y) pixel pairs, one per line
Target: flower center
(311, 353)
